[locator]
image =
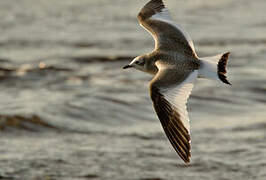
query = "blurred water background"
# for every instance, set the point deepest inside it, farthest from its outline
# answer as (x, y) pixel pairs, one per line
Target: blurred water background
(68, 110)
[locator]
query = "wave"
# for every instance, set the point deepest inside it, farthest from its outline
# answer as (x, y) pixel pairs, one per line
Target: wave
(90, 59)
(29, 123)
(225, 42)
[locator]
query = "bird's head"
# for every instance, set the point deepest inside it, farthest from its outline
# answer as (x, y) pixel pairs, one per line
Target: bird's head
(138, 63)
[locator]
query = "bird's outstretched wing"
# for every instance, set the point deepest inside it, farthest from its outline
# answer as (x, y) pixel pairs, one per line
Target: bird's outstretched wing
(169, 92)
(168, 36)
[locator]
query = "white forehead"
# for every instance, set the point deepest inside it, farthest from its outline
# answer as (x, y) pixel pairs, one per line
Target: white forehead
(135, 59)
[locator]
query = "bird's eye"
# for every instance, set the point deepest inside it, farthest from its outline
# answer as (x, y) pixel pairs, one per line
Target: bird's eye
(142, 63)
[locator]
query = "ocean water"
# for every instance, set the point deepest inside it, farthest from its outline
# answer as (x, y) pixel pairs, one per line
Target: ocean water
(69, 111)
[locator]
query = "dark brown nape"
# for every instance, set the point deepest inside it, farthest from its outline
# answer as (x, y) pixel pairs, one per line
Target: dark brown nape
(222, 68)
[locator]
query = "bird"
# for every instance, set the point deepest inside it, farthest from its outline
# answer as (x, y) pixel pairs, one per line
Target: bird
(175, 66)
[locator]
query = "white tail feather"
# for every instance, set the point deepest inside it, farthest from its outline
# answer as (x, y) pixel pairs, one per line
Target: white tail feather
(214, 67)
(208, 67)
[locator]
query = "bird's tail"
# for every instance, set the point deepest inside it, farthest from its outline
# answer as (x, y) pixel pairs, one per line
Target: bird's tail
(214, 67)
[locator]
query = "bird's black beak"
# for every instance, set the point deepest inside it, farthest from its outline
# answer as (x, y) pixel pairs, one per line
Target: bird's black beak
(127, 66)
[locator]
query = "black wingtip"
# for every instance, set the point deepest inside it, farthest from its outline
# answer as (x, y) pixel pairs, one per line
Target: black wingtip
(174, 128)
(151, 8)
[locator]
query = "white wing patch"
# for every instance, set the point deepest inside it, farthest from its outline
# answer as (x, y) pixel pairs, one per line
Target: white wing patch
(165, 16)
(178, 96)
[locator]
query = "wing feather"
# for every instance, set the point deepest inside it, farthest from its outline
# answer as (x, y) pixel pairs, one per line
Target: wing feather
(169, 101)
(168, 36)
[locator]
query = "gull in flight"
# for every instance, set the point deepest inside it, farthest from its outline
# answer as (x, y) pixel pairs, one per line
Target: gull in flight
(175, 67)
